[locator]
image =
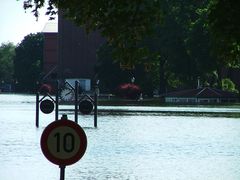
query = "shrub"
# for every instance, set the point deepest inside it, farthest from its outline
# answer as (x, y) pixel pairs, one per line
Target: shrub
(128, 91)
(228, 85)
(45, 88)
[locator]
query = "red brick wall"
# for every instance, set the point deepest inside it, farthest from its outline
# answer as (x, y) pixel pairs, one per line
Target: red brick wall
(77, 55)
(50, 51)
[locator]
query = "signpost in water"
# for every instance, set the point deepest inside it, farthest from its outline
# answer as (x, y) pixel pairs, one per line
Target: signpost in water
(63, 143)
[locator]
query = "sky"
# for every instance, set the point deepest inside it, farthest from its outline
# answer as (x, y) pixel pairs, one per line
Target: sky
(15, 23)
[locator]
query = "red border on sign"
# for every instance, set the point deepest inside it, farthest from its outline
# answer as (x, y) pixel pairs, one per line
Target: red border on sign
(79, 131)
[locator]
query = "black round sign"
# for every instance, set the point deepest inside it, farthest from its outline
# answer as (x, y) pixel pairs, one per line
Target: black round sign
(47, 106)
(85, 106)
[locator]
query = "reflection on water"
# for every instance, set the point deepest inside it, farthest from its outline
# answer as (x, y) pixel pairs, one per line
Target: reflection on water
(136, 147)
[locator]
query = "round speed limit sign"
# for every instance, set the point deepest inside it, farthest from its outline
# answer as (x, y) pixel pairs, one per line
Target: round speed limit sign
(63, 142)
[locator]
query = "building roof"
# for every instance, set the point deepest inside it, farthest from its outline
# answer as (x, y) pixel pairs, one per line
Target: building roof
(50, 27)
(203, 93)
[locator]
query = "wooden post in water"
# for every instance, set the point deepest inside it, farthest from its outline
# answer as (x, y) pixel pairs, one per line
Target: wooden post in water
(37, 109)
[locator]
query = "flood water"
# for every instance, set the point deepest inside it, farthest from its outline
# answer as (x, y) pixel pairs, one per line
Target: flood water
(123, 147)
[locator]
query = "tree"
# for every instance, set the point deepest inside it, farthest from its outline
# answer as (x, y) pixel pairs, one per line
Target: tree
(182, 46)
(192, 38)
(223, 23)
(105, 67)
(110, 81)
(124, 23)
(199, 47)
(179, 51)
(174, 46)
(228, 85)
(7, 53)
(28, 62)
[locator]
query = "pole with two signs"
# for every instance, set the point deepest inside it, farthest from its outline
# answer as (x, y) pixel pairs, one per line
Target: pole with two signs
(63, 143)
(83, 103)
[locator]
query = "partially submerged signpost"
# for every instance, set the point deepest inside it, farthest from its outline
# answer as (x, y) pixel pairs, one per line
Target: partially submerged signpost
(83, 103)
(63, 143)
(46, 103)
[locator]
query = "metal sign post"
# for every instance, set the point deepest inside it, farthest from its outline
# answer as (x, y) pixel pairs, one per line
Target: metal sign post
(96, 92)
(62, 172)
(46, 105)
(57, 101)
(83, 103)
(76, 100)
(37, 109)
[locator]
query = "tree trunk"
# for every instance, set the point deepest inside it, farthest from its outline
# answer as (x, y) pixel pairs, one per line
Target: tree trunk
(162, 79)
(220, 76)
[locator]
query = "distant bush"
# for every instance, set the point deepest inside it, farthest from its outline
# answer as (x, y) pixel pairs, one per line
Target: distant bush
(228, 85)
(45, 88)
(128, 91)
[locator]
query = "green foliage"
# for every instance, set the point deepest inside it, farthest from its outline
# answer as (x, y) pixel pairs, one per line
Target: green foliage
(183, 40)
(223, 23)
(210, 79)
(228, 85)
(7, 53)
(180, 49)
(105, 67)
(111, 75)
(181, 45)
(124, 23)
(173, 81)
(28, 62)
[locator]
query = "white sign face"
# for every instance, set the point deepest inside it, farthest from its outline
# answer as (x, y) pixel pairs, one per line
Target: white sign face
(63, 142)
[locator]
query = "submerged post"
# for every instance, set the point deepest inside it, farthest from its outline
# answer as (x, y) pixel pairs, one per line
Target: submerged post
(62, 172)
(76, 101)
(37, 109)
(57, 100)
(95, 105)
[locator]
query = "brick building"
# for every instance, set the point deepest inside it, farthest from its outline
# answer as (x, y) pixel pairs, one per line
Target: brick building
(69, 52)
(50, 51)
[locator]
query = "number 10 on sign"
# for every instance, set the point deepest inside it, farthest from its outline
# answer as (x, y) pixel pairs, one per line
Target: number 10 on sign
(65, 143)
